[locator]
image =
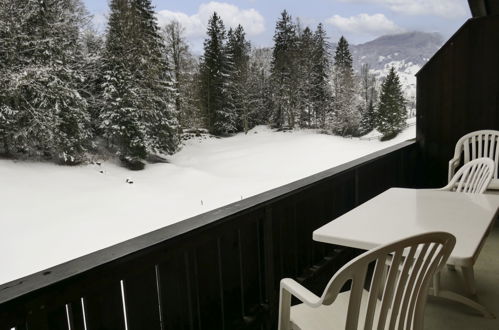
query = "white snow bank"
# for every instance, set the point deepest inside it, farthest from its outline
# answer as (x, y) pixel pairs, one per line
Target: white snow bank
(52, 214)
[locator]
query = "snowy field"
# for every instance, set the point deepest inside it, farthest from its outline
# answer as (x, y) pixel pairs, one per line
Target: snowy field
(52, 214)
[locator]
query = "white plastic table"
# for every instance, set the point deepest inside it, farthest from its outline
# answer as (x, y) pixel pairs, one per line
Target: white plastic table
(399, 212)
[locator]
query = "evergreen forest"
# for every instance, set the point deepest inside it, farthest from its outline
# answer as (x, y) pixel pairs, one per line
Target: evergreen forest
(69, 93)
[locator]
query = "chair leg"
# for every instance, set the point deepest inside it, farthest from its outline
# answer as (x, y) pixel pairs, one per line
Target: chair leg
(469, 279)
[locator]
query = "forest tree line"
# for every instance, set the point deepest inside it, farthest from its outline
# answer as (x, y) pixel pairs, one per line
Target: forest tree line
(68, 92)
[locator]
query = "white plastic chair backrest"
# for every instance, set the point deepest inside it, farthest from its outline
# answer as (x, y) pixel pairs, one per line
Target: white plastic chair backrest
(473, 177)
(404, 290)
(483, 143)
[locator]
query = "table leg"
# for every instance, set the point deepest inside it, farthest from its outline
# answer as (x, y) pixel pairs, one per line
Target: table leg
(469, 279)
(446, 294)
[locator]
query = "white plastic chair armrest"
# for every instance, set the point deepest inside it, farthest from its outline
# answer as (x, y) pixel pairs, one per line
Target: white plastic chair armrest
(453, 163)
(300, 292)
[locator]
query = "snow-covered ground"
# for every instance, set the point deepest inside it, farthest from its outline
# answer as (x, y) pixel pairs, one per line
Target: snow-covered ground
(52, 214)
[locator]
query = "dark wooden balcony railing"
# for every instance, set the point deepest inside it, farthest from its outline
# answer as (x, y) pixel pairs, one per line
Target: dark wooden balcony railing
(218, 270)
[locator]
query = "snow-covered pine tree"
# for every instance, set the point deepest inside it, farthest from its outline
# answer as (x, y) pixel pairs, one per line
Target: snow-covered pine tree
(321, 90)
(304, 77)
(346, 115)
(42, 111)
(259, 91)
(283, 72)
(161, 115)
(219, 116)
(93, 46)
(369, 117)
(238, 50)
(369, 94)
(184, 67)
(121, 115)
(12, 35)
(138, 114)
(392, 114)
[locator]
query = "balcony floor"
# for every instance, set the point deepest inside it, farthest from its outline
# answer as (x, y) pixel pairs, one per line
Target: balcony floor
(442, 314)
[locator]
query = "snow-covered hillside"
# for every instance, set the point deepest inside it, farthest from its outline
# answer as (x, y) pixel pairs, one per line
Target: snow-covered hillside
(66, 212)
(411, 47)
(406, 52)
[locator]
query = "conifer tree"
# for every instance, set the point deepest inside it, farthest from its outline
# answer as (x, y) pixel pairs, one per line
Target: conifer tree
(283, 72)
(93, 47)
(220, 118)
(304, 72)
(42, 111)
(369, 117)
(346, 116)
(138, 115)
(342, 57)
(184, 67)
(259, 89)
(238, 49)
(321, 93)
(369, 94)
(13, 34)
(392, 114)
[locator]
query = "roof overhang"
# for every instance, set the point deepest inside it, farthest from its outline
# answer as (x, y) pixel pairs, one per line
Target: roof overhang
(481, 8)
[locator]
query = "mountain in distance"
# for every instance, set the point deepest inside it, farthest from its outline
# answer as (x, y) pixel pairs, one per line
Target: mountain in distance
(406, 52)
(411, 47)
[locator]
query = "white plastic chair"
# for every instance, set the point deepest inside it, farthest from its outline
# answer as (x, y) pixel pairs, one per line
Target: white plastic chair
(403, 291)
(473, 177)
(484, 143)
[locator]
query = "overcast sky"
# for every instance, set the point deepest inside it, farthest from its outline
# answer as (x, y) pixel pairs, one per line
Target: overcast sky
(358, 20)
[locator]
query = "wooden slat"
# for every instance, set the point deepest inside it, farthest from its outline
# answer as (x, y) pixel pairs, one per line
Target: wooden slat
(229, 247)
(45, 317)
(251, 259)
(13, 316)
(376, 178)
(284, 239)
(17, 327)
(57, 319)
(76, 315)
(141, 298)
(38, 320)
(306, 211)
(104, 308)
(209, 287)
(5, 325)
(322, 208)
(177, 302)
(270, 265)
